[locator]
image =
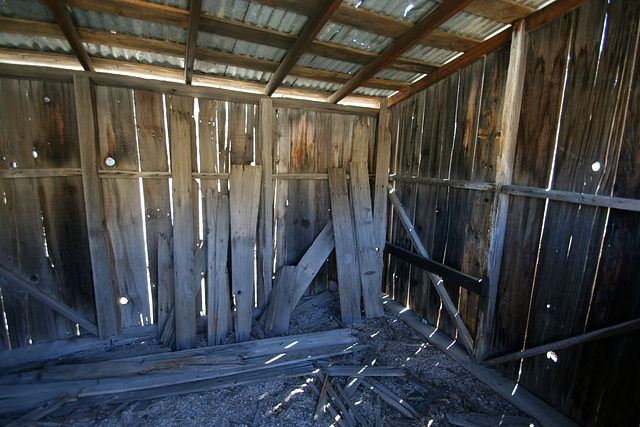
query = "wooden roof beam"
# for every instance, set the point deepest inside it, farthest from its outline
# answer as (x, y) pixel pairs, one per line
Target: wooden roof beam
(195, 8)
(66, 25)
(311, 29)
(427, 25)
(531, 23)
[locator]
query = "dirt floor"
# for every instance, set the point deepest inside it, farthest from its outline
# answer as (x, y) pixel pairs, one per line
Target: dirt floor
(437, 388)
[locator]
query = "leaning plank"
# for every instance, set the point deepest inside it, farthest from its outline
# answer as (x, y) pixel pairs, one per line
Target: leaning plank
(218, 297)
(312, 261)
(507, 388)
(278, 312)
(436, 280)
(244, 198)
(18, 282)
(369, 254)
(321, 407)
(181, 134)
(347, 264)
(611, 331)
(106, 292)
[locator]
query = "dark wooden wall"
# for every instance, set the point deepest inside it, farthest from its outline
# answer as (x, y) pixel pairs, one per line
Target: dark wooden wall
(43, 201)
(567, 268)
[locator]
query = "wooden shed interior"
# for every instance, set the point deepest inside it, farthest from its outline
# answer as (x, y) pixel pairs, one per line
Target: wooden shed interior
(175, 166)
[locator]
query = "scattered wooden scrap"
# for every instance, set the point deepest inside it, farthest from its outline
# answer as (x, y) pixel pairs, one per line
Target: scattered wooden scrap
(363, 371)
(175, 373)
(482, 420)
(390, 397)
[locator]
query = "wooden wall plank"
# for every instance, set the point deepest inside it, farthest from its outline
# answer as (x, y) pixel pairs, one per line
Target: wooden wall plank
(181, 136)
(539, 119)
(166, 290)
(599, 78)
(106, 291)
(281, 160)
(121, 203)
(149, 109)
(369, 256)
(265, 221)
(244, 200)
(383, 159)
(347, 263)
(218, 295)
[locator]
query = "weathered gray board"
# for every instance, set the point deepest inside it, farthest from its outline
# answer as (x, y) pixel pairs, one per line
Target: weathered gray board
(218, 295)
(345, 241)
(244, 199)
(369, 254)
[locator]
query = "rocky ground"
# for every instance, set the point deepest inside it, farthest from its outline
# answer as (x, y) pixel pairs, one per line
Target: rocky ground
(437, 388)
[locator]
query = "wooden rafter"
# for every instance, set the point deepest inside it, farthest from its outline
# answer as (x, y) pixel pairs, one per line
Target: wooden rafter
(195, 7)
(171, 16)
(64, 21)
(427, 25)
(532, 22)
(311, 29)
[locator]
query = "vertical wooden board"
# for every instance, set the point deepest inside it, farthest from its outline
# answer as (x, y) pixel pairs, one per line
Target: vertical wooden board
(369, 255)
(265, 245)
(105, 288)
(244, 199)
(347, 263)
(14, 302)
(16, 146)
(382, 166)
(149, 108)
(116, 128)
(360, 144)
(281, 160)
(166, 287)
(338, 137)
(544, 80)
(240, 133)
(52, 123)
(121, 201)
(181, 134)
(218, 295)
(577, 231)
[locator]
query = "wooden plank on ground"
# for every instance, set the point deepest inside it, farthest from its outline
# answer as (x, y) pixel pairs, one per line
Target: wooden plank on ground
(106, 293)
(244, 198)
(218, 296)
(345, 241)
(181, 134)
(370, 257)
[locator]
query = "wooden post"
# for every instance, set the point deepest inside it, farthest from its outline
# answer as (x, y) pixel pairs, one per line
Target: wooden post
(105, 288)
(383, 158)
(265, 228)
(181, 133)
(505, 151)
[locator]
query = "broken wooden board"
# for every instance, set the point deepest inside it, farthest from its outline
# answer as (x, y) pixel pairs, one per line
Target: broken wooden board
(244, 198)
(218, 297)
(279, 310)
(370, 256)
(347, 264)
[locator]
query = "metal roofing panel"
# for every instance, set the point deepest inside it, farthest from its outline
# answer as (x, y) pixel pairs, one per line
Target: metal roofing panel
(474, 26)
(357, 39)
(430, 54)
(310, 84)
(240, 47)
(23, 9)
(37, 44)
(399, 76)
(406, 10)
(180, 4)
(134, 27)
(128, 55)
(231, 72)
(328, 64)
(373, 92)
(256, 14)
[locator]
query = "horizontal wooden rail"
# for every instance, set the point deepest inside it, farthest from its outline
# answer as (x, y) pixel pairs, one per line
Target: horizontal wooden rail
(39, 173)
(455, 183)
(457, 277)
(572, 197)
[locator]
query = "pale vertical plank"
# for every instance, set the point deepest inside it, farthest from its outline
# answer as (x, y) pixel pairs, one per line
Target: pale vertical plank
(165, 284)
(504, 172)
(181, 135)
(244, 198)
(383, 159)
(106, 293)
(347, 264)
(360, 145)
(265, 229)
(369, 255)
(218, 296)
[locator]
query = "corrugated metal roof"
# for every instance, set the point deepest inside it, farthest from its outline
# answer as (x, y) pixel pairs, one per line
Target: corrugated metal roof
(128, 55)
(328, 64)
(430, 54)
(23, 9)
(39, 44)
(357, 39)
(256, 14)
(406, 10)
(474, 26)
